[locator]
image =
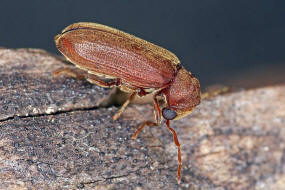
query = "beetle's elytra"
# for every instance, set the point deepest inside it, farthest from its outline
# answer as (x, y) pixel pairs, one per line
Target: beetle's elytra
(134, 65)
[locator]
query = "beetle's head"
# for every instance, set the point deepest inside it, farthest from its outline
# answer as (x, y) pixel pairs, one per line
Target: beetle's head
(182, 96)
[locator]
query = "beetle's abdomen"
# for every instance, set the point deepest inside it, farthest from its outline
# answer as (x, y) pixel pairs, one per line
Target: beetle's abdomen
(115, 55)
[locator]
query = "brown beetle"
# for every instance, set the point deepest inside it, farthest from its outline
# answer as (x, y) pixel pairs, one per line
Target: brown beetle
(135, 66)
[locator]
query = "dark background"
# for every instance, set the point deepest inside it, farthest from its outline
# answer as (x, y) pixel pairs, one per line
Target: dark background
(219, 41)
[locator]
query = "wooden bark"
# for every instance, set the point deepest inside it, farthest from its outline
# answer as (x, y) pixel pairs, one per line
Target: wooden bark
(53, 135)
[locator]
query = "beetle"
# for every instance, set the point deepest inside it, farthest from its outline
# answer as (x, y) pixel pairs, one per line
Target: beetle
(135, 66)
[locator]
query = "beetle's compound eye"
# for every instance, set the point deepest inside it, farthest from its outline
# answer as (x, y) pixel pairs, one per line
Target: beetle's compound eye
(168, 113)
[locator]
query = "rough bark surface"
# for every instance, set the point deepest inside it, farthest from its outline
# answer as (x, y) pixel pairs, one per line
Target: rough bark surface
(54, 136)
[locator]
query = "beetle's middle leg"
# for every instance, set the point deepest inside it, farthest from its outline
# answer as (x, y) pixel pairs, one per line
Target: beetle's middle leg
(122, 109)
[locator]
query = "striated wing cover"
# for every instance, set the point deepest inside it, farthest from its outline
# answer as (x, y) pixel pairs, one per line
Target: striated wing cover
(104, 50)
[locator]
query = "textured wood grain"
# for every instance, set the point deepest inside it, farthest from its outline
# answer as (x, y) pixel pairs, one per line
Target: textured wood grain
(233, 141)
(27, 86)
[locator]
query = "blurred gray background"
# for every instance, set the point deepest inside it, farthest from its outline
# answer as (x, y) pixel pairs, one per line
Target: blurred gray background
(220, 41)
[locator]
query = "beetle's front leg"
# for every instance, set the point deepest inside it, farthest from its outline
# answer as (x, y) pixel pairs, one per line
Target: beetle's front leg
(157, 110)
(140, 128)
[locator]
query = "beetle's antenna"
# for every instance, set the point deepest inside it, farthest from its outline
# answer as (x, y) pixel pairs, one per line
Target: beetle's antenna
(175, 139)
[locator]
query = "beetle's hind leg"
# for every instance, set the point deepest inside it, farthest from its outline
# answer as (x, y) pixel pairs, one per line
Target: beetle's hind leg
(75, 73)
(95, 80)
(70, 72)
